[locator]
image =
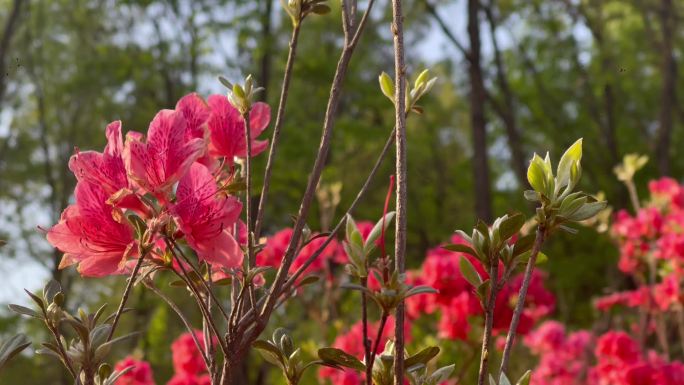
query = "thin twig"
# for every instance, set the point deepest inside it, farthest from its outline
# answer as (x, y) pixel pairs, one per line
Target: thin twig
(183, 319)
(284, 92)
(520, 306)
(250, 315)
(378, 337)
(315, 175)
(126, 294)
(251, 258)
(196, 293)
(489, 319)
(366, 341)
(65, 357)
(402, 183)
(196, 271)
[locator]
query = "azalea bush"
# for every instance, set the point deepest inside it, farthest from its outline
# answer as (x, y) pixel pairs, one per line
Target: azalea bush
(178, 203)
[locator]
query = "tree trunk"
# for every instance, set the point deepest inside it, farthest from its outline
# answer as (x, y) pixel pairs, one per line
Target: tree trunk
(266, 39)
(5, 40)
(668, 92)
(507, 111)
(483, 202)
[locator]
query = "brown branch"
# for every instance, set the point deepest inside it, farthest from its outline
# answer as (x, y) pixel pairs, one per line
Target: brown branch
(520, 306)
(284, 92)
(319, 164)
(402, 183)
(182, 317)
(126, 294)
(250, 316)
(489, 319)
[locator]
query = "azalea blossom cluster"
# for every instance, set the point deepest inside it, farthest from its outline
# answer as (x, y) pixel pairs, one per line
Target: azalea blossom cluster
(456, 303)
(189, 368)
(614, 358)
(651, 245)
(137, 193)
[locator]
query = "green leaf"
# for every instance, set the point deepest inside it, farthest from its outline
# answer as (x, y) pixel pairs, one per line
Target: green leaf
(503, 379)
(532, 196)
(386, 85)
(571, 158)
(461, 248)
(50, 290)
(225, 82)
(469, 273)
(320, 9)
(268, 351)
(541, 258)
(525, 378)
(338, 357)
(587, 211)
(24, 311)
(511, 226)
(309, 279)
(523, 244)
(422, 357)
(11, 347)
(536, 174)
(376, 232)
(442, 374)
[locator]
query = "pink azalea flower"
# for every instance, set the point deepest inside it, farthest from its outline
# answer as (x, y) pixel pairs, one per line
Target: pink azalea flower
(141, 374)
(187, 360)
(158, 163)
(276, 246)
(207, 217)
(88, 234)
(227, 130)
(107, 170)
(185, 379)
(196, 113)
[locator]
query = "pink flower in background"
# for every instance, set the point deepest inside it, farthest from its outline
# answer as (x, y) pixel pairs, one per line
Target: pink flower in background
(207, 217)
(141, 374)
(88, 234)
(186, 379)
(158, 163)
(669, 190)
(227, 130)
(539, 303)
(349, 342)
(276, 246)
(187, 360)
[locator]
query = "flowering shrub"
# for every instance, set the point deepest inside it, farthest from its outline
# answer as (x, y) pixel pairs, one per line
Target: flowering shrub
(176, 203)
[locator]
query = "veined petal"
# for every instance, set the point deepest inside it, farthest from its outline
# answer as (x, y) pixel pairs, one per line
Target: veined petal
(196, 113)
(259, 118)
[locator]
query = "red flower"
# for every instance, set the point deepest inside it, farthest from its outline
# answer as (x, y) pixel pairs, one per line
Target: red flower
(187, 360)
(141, 374)
(89, 236)
(207, 217)
(227, 130)
(276, 245)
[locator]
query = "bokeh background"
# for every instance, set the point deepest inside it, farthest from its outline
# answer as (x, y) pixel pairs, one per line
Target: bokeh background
(548, 72)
